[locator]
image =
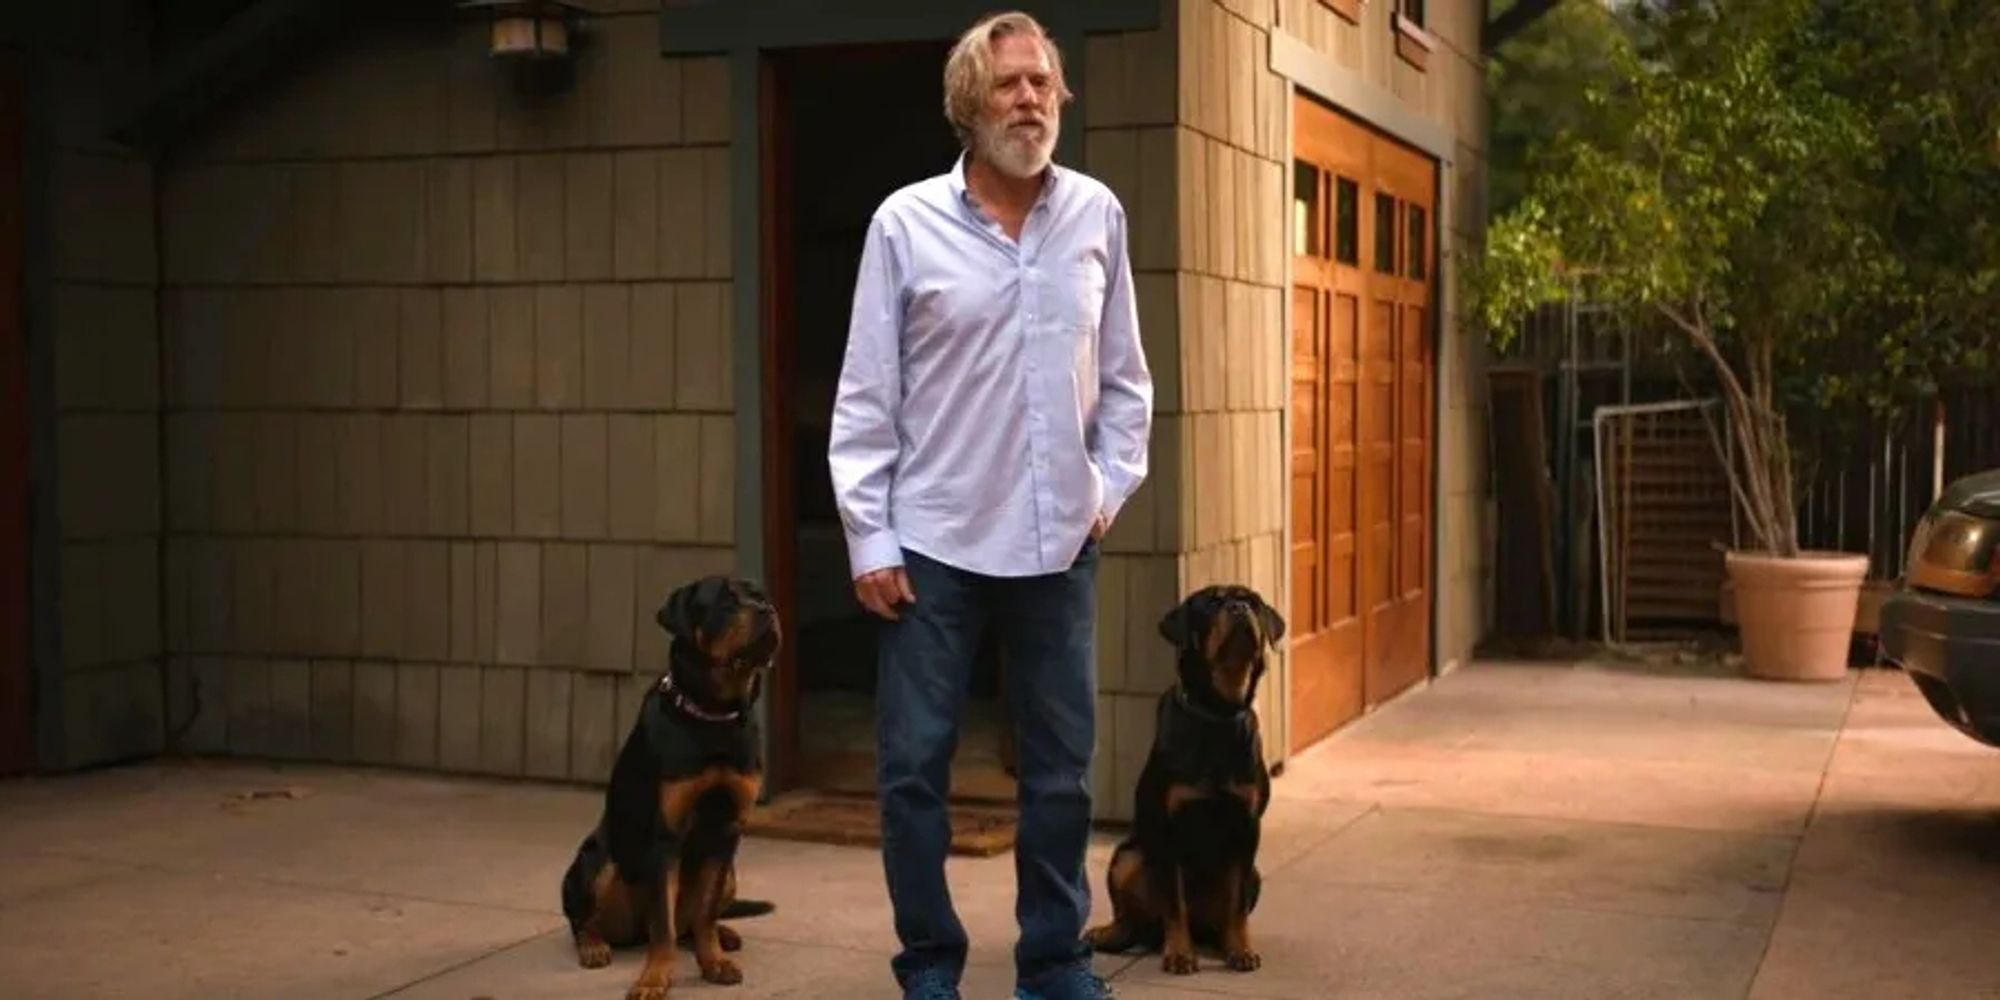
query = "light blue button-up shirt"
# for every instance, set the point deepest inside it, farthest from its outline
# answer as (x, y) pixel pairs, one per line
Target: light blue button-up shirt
(995, 398)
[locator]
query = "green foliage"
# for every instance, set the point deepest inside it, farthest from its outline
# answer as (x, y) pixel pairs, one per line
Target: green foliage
(1928, 73)
(1805, 188)
(1521, 270)
(1728, 195)
(1535, 88)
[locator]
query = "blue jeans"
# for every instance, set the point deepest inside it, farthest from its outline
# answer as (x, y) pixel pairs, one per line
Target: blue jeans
(1047, 629)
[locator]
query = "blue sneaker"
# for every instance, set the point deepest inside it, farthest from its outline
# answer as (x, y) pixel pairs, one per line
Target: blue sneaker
(932, 984)
(1074, 982)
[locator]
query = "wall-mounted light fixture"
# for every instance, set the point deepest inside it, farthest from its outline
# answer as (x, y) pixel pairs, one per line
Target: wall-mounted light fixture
(536, 38)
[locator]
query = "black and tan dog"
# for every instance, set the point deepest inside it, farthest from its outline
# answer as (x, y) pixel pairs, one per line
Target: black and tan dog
(1187, 875)
(661, 864)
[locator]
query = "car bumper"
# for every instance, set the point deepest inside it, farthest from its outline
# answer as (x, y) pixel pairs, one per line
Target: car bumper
(1950, 647)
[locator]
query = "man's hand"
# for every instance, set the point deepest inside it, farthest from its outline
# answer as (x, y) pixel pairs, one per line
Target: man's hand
(1098, 528)
(883, 589)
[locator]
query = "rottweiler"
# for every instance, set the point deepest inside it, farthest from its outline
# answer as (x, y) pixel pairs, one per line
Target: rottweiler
(660, 866)
(1187, 873)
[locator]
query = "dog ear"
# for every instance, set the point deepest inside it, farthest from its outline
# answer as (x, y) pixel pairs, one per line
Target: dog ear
(752, 592)
(688, 606)
(1174, 625)
(1271, 621)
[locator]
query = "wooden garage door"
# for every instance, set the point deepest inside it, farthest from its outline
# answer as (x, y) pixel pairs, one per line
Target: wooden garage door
(1361, 418)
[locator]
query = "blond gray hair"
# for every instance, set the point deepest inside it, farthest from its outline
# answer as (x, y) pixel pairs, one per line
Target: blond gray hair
(968, 72)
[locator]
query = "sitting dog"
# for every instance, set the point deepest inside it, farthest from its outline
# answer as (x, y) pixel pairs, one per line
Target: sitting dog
(1187, 874)
(661, 864)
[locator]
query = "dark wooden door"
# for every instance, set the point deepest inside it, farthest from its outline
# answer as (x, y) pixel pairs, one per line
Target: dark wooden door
(1361, 398)
(776, 186)
(16, 689)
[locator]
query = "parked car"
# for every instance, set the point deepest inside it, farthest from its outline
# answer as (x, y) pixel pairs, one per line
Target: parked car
(1942, 625)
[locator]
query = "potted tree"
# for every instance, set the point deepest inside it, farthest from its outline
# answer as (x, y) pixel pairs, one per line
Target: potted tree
(1736, 211)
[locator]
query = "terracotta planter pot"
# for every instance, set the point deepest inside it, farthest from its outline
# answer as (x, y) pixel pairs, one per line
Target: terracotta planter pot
(1796, 615)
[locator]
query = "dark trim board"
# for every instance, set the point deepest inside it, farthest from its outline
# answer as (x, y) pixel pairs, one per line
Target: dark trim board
(707, 27)
(17, 686)
(1354, 95)
(746, 168)
(1443, 305)
(45, 543)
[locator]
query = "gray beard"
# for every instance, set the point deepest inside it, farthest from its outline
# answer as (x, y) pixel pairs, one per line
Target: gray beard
(1020, 158)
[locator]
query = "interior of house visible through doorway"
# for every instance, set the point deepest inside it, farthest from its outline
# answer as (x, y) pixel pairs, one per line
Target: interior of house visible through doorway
(852, 125)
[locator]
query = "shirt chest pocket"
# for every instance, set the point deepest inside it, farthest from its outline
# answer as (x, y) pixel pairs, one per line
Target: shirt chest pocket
(1076, 290)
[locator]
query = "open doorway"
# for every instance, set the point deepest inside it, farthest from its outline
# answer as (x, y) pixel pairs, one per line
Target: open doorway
(846, 127)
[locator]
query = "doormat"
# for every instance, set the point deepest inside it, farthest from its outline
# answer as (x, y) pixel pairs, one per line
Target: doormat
(977, 830)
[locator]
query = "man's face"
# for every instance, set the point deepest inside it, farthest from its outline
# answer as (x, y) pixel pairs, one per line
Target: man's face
(1017, 133)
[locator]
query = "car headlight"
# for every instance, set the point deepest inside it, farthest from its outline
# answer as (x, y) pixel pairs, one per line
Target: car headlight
(1954, 552)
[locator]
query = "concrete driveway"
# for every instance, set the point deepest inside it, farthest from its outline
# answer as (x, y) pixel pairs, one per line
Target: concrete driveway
(1512, 831)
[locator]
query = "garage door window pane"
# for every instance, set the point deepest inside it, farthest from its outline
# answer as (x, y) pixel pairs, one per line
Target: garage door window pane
(1419, 242)
(1306, 240)
(1385, 234)
(1347, 223)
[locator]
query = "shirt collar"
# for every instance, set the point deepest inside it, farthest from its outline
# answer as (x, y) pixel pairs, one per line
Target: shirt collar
(956, 181)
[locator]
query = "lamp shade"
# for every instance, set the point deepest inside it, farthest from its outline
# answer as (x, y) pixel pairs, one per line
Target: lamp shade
(529, 29)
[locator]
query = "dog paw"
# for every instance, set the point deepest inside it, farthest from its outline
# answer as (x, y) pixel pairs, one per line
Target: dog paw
(593, 954)
(722, 972)
(647, 991)
(729, 939)
(1245, 960)
(1180, 963)
(1109, 939)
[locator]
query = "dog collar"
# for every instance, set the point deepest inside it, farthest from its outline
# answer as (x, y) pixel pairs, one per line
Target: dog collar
(1187, 704)
(682, 702)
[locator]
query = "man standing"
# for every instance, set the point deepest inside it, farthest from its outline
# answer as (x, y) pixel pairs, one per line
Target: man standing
(993, 414)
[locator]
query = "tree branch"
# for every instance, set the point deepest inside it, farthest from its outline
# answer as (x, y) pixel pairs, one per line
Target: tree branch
(1762, 510)
(1721, 450)
(1496, 32)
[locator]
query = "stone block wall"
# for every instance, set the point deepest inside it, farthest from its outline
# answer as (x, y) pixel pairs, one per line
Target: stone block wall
(1191, 127)
(436, 376)
(100, 292)
(448, 400)
(1127, 87)
(1192, 143)
(1234, 230)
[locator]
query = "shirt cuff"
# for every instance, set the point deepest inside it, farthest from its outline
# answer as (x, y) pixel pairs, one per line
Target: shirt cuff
(1112, 500)
(1110, 512)
(878, 550)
